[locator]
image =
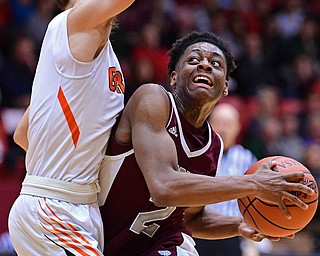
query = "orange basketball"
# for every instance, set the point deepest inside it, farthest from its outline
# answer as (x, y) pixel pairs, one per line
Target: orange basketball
(267, 218)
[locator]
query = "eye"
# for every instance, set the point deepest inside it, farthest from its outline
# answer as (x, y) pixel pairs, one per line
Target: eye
(215, 63)
(193, 59)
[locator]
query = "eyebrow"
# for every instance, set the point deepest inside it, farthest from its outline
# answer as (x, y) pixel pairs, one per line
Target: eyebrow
(211, 52)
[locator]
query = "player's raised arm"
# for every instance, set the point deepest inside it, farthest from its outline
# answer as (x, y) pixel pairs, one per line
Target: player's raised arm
(90, 24)
(89, 14)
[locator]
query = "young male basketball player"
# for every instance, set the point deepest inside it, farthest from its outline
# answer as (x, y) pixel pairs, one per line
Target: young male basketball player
(163, 155)
(77, 95)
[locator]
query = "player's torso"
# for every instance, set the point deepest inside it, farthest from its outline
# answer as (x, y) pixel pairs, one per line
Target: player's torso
(73, 108)
(131, 220)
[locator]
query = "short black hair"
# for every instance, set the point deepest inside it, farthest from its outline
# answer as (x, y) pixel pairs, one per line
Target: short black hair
(178, 48)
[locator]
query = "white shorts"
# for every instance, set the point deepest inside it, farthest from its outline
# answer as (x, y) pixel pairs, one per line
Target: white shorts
(44, 226)
(187, 247)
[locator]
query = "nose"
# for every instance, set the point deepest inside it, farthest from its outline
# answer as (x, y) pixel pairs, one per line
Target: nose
(205, 65)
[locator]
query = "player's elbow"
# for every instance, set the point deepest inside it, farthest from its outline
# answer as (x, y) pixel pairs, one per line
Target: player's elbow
(163, 195)
(20, 140)
(16, 137)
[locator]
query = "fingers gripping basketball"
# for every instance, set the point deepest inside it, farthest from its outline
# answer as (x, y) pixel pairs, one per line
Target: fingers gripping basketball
(267, 218)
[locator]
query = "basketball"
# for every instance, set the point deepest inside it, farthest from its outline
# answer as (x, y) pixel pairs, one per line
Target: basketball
(267, 218)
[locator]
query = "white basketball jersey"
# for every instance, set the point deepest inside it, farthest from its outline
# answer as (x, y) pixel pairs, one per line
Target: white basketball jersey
(73, 107)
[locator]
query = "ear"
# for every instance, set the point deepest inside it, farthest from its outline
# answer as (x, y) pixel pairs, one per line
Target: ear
(173, 79)
(225, 91)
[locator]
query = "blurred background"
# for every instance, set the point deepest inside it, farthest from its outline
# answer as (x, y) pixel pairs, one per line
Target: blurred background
(276, 86)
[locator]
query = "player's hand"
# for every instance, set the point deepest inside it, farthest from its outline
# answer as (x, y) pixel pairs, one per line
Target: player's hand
(258, 237)
(275, 187)
(249, 233)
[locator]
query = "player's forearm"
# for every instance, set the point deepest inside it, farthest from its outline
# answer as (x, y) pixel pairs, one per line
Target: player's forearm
(113, 8)
(211, 225)
(186, 189)
(81, 18)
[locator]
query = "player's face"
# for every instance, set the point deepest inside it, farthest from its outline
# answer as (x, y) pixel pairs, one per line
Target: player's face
(201, 72)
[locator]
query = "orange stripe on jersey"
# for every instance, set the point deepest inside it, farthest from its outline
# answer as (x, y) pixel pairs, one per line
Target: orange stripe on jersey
(73, 126)
(85, 243)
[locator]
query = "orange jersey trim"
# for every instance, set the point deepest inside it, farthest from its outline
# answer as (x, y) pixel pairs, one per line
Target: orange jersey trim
(72, 123)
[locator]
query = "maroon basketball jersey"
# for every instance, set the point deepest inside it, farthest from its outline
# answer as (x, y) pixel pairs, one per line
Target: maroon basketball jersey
(133, 225)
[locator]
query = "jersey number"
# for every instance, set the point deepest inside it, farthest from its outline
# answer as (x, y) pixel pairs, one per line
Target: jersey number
(139, 224)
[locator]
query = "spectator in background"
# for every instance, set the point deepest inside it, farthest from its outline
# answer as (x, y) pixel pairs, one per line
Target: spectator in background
(148, 60)
(273, 44)
(6, 16)
(16, 75)
(150, 50)
(306, 41)
(220, 25)
(262, 11)
(251, 13)
(37, 23)
(290, 142)
(5, 13)
(238, 34)
(264, 128)
(313, 8)
(186, 19)
(300, 77)
(311, 104)
(22, 11)
(6, 247)
(313, 128)
(225, 120)
(290, 17)
(16, 78)
(253, 70)
(311, 161)
(142, 72)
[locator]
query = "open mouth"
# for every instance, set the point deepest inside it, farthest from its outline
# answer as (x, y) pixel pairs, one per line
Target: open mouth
(202, 80)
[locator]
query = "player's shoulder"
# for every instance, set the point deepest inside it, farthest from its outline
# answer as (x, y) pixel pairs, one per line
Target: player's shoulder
(149, 101)
(151, 88)
(150, 94)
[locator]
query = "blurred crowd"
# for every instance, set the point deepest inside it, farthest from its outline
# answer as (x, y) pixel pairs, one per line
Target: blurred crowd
(276, 86)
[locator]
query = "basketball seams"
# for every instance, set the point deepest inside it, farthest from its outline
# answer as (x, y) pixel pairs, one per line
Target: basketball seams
(248, 215)
(266, 217)
(246, 211)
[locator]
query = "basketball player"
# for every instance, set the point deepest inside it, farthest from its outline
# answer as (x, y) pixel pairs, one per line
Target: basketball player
(77, 95)
(162, 157)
